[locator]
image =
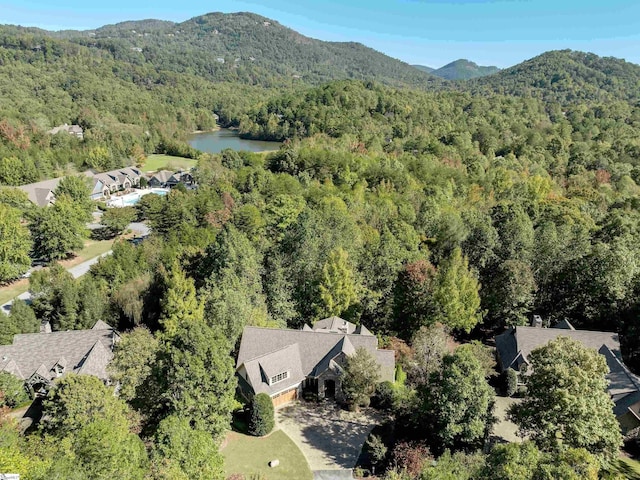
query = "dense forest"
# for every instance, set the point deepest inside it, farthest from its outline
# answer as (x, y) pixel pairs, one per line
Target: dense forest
(434, 216)
(248, 48)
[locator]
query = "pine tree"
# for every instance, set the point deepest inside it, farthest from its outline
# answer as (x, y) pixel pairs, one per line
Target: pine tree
(337, 286)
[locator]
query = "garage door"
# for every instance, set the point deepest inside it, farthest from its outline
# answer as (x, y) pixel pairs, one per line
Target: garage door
(285, 397)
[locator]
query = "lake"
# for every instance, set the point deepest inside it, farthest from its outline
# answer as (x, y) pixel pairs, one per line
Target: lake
(216, 141)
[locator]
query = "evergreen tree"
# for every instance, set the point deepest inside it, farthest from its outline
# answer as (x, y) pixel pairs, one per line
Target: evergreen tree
(181, 304)
(359, 378)
(456, 296)
(338, 290)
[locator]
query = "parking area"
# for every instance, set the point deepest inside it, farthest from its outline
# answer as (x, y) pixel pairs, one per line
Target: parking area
(330, 438)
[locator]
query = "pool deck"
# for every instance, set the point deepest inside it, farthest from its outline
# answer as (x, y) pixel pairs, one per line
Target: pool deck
(130, 199)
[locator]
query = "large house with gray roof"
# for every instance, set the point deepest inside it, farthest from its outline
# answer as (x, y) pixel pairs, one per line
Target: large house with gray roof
(39, 358)
(514, 346)
(283, 363)
(41, 193)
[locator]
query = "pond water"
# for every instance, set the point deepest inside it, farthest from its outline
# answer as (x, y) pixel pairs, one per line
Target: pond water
(218, 140)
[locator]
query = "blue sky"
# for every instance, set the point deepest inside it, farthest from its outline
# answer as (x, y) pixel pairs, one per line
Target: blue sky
(427, 32)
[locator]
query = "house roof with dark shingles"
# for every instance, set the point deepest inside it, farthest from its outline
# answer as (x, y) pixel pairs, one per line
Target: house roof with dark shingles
(162, 176)
(41, 193)
(522, 340)
(261, 369)
(303, 353)
(515, 345)
(78, 351)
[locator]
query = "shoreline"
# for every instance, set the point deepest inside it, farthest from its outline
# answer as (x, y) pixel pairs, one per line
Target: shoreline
(214, 129)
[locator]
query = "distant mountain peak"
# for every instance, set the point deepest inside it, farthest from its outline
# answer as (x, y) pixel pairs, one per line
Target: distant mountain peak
(463, 69)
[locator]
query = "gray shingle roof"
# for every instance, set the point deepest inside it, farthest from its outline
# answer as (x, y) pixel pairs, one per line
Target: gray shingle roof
(302, 352)
(526, 339)
(334, 324)
(515, 345)
(261, 369)
(163, 176)
(41, 193)
(81, 351)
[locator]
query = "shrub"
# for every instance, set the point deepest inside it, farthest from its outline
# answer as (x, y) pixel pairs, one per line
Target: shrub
(410, 457)
(511, 381)
(261, 420)
(12, 392)
(385, 396)
(377, 450)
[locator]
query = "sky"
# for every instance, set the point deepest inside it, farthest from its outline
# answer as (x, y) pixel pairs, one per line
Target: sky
(425, 32)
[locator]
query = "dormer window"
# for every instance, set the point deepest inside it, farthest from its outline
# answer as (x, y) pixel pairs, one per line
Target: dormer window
(279, 378)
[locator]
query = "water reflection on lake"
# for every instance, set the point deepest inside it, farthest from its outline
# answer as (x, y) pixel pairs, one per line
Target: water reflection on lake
(215, 142)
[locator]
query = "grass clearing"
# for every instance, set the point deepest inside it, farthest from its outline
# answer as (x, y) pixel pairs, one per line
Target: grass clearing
(92, 249)
(11, 291)
(251, 455)
(157, 162)
(628, 467)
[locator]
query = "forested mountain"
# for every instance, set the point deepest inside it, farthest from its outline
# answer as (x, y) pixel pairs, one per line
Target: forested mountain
(424, 68)
(125, 108)
(247, 48)
(462, 210)
(463, 70)
(566, 77)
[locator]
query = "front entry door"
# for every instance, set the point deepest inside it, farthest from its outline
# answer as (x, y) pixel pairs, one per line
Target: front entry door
(329, 388)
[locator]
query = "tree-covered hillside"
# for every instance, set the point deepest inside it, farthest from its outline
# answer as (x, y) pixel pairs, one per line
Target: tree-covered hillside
(566, 77)
(463, 70)
(246, 48)
(125, 109)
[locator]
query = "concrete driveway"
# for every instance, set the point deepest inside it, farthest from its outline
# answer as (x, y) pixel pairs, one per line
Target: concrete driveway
(329, 437)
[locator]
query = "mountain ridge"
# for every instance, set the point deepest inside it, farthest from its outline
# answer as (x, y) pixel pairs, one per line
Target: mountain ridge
(246, 47)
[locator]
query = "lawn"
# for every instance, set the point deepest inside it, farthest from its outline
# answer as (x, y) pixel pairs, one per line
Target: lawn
(12, 290)
(92, 249)
(157, 162)
(628, 467)
(250, 455)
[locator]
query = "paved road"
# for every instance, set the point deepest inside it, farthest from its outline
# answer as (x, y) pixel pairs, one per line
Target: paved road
(76, 271)
(140, 229)
(84, 267)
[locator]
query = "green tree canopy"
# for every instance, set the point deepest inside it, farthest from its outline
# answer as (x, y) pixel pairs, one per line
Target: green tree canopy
(179, 449)
(15, 244)
(132, 363)
(456, 296)
(58, 230)
(338, 288)
(78, 190)
(116, 220)
(457, 405)
(359, 378)
(567, 404)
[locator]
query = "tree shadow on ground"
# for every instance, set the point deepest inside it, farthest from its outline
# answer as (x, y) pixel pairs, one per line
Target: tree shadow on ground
(337, 434)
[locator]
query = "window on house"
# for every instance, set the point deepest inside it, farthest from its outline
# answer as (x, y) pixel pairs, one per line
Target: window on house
(280, 377)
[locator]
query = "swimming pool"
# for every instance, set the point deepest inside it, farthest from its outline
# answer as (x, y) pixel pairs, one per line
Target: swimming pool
(131, 199)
